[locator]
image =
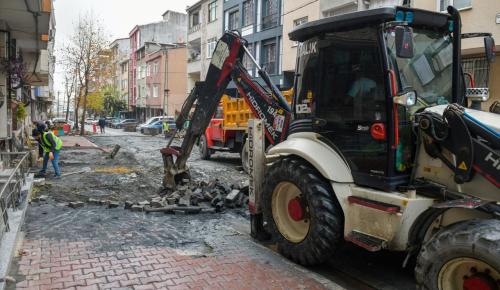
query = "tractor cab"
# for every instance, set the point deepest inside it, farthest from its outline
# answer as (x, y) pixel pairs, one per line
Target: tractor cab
(361, 77)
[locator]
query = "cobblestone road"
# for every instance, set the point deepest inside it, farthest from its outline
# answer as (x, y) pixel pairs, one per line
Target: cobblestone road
(98, 248)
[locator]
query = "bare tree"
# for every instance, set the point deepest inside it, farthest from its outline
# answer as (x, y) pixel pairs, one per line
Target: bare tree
(69, 87)
(81, 55)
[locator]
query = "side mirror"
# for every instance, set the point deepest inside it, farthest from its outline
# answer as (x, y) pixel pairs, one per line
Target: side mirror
(489, 46)
(406, 99)
(404, 42)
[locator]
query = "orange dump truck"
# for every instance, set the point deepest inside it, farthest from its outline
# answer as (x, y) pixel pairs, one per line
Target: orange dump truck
(227, 130)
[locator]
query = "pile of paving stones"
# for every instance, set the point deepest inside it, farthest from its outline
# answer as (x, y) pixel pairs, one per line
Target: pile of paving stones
(191, 197)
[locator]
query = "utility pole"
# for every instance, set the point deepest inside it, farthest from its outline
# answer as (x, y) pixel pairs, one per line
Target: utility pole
(58, 93)
(165, 100)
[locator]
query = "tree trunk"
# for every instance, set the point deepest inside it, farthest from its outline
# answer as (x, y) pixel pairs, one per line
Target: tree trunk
(67, 107)
(82, 123)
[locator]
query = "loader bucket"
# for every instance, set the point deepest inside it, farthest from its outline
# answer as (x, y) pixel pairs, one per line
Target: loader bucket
(172, 174)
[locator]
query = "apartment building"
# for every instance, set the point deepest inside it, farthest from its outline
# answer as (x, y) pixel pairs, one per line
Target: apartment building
(204, 29)
(166, 81)
(295, 13)
(120, 52)
(172, 29)
(26, 43)
(477, 16)
(261, 23)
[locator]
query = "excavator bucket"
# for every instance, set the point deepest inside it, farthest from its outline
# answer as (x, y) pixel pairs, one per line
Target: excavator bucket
(204, 98)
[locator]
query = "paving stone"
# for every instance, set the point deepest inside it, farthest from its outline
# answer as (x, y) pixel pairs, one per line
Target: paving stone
(76, 204)
(137, 207)
(144, 203)
(94, 201)
(113, 204)
(232, 197)
(128, 204)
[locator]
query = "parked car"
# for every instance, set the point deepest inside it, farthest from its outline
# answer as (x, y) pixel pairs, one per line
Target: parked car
(111, 120)
(153, 120)
(59, 122)
(123, 123)
(90, 121)
(159, 125)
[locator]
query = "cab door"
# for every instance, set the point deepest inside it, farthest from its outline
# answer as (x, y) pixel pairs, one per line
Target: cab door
(216, 126)
(351, 98)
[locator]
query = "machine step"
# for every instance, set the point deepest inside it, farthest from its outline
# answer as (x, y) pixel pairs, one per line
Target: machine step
(373, 204)
(370, 243)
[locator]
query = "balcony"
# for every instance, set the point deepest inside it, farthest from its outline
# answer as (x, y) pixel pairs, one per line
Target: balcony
(194, 32)
(194, 66)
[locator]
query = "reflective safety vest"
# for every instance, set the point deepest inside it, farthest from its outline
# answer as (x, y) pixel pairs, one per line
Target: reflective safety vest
(166, 126)
(46, 145)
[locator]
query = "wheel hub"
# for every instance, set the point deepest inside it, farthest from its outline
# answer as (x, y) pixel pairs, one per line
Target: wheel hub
(468, 274)
(295, 209)
(290, 212)
(479, 282)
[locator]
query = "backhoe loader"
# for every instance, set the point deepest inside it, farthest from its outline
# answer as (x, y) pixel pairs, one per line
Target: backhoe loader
(378, 148)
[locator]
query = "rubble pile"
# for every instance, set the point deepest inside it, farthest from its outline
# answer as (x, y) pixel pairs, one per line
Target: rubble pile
(191, 197)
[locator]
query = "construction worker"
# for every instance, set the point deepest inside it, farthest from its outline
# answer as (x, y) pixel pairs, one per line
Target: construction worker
(51, 146)
(41, 127)
(166, 128)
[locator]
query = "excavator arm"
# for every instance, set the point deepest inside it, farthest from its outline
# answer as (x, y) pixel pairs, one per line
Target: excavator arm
(226, 65)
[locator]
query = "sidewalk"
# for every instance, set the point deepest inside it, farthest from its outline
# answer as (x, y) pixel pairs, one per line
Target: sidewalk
(78, 142)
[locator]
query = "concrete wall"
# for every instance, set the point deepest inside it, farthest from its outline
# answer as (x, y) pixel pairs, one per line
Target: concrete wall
(173, 30)
(176, 79)
(294, 10)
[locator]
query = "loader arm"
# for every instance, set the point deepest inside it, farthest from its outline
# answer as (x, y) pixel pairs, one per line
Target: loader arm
(225, 66)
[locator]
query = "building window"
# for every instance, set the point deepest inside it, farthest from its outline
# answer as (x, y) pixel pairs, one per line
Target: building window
(148, 70)
(296, 23)
(247, 13)
(156, 90)
(247, 62)
(269, 56)
(270, 15)
(211, 43)
(195, 18)
(459, 4)
(156, 68)
(212, 11)
(233, 20)
(479, 69)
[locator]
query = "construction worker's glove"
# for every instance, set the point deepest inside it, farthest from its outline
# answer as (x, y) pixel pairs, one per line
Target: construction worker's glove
(51, 156)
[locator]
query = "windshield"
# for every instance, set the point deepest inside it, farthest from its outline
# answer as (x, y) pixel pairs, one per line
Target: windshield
(429, 71)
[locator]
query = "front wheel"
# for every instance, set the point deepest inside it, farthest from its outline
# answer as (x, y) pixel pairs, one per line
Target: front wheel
(465, 256)
(203, 146)
(244, 156)
(301, 212)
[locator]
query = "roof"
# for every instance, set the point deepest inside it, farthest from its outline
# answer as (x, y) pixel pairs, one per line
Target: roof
(353, 20)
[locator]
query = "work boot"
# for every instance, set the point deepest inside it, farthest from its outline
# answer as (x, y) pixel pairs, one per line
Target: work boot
(40, 175)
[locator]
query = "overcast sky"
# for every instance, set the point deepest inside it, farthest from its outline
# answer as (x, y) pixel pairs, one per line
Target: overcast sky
(118, 17)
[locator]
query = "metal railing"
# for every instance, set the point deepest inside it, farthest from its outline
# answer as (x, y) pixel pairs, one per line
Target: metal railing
(10, 193)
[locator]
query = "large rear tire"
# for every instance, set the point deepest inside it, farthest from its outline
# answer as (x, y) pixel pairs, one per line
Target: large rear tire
(465, 255)
(203, 146)
(244, 156)
(301, 212)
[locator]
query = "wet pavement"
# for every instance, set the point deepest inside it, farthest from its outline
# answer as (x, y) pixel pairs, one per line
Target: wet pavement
(94, 247)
